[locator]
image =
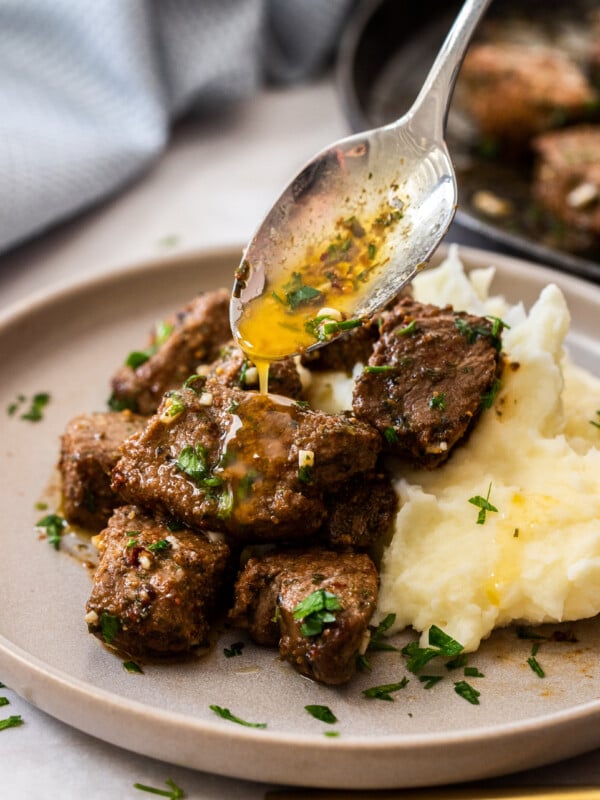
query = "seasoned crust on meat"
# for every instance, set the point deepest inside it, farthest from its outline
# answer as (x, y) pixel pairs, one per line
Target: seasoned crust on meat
(361, 512)
(198, 331)
(424, 384)
(241, 463)
(89, 450)
(272, 586)
(158, 588)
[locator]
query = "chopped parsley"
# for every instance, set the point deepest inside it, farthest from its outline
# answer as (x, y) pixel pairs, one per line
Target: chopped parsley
(467, 692)
(174, 405)
(371, 251)
(305, 473)
(4, 701)
(315, 611)
(323, 713)
(407, 330)
(323, 327)
(54, 526)
(136, 358)
(235, 650)
(298, 293)
(11, 722)
(440, 645)
(109, 626)
(115, 403)
(384, 692)
(192, 461)
(131, 666)
(438, 400)
(472, 332)
(376, 640)
(457, 663)
(34, 413)
(534, 663)
(596, 422)
(472, 672)
(159, 546)
(430, 680)
(390, 435)
(487, 399)
(377, 370)
(225, 713)
(483, 504)
(174, 792)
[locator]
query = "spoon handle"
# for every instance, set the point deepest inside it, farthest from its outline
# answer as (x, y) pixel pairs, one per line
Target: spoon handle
(429, 111)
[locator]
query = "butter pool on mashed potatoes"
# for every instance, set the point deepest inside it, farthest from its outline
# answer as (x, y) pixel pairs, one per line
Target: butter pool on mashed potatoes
(537, 559)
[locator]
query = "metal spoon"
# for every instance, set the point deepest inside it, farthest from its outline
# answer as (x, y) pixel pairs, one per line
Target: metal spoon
(403, 167)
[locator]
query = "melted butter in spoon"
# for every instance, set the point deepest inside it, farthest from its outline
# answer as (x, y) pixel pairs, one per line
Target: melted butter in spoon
(311, 300)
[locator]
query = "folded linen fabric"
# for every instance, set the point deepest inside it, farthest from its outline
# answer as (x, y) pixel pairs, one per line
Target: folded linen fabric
(88, 90)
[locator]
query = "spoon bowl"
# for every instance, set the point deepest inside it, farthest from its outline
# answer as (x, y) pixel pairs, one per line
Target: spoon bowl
(356, 224)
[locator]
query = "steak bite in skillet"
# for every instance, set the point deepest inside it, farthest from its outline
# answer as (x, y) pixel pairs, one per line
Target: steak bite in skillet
(188, 338)
(567, 178)
(427, 378)
(89, 450)
(155, 590)
(253, 466)
(316, 604)
(515, 91)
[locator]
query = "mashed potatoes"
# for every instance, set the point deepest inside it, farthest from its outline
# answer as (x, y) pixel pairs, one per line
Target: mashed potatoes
(537, 558)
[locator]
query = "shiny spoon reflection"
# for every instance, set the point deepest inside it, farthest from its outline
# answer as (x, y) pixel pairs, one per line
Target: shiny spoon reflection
(355, 225)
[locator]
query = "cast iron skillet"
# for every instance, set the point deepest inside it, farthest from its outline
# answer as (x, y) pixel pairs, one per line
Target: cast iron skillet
(385, 54)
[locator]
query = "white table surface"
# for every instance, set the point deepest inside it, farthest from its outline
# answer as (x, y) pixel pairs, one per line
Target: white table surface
(210, 188)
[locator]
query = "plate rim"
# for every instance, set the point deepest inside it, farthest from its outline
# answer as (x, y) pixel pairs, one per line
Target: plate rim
(35, 681)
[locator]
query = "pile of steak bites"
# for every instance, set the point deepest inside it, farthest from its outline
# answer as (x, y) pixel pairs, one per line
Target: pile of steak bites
(214, 500)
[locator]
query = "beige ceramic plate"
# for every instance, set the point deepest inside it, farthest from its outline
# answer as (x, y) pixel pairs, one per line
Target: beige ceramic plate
(69, 344)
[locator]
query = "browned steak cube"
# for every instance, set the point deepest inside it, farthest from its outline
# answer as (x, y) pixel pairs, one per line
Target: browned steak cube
(233, 369)
(427, 378)
(155, 589)
(250, 465)
(190, 337)
(567, 177)
(341, 354)
(360, 512)
(322, 602)
(515, 91)
(89, 450)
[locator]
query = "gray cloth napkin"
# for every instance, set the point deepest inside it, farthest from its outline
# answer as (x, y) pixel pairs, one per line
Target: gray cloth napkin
(88, 90)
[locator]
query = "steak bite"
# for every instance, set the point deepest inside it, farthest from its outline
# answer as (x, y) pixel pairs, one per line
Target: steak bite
(567, 177)
(322, 602)
(233, 369)
(425, 382)
(190, 337)
(155, 590)
(89, 450)
(342, 354)
(360, 512)
(515, 91)
(253, 466)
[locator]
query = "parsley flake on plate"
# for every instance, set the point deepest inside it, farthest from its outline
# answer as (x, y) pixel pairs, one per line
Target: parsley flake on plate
(225, 713)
